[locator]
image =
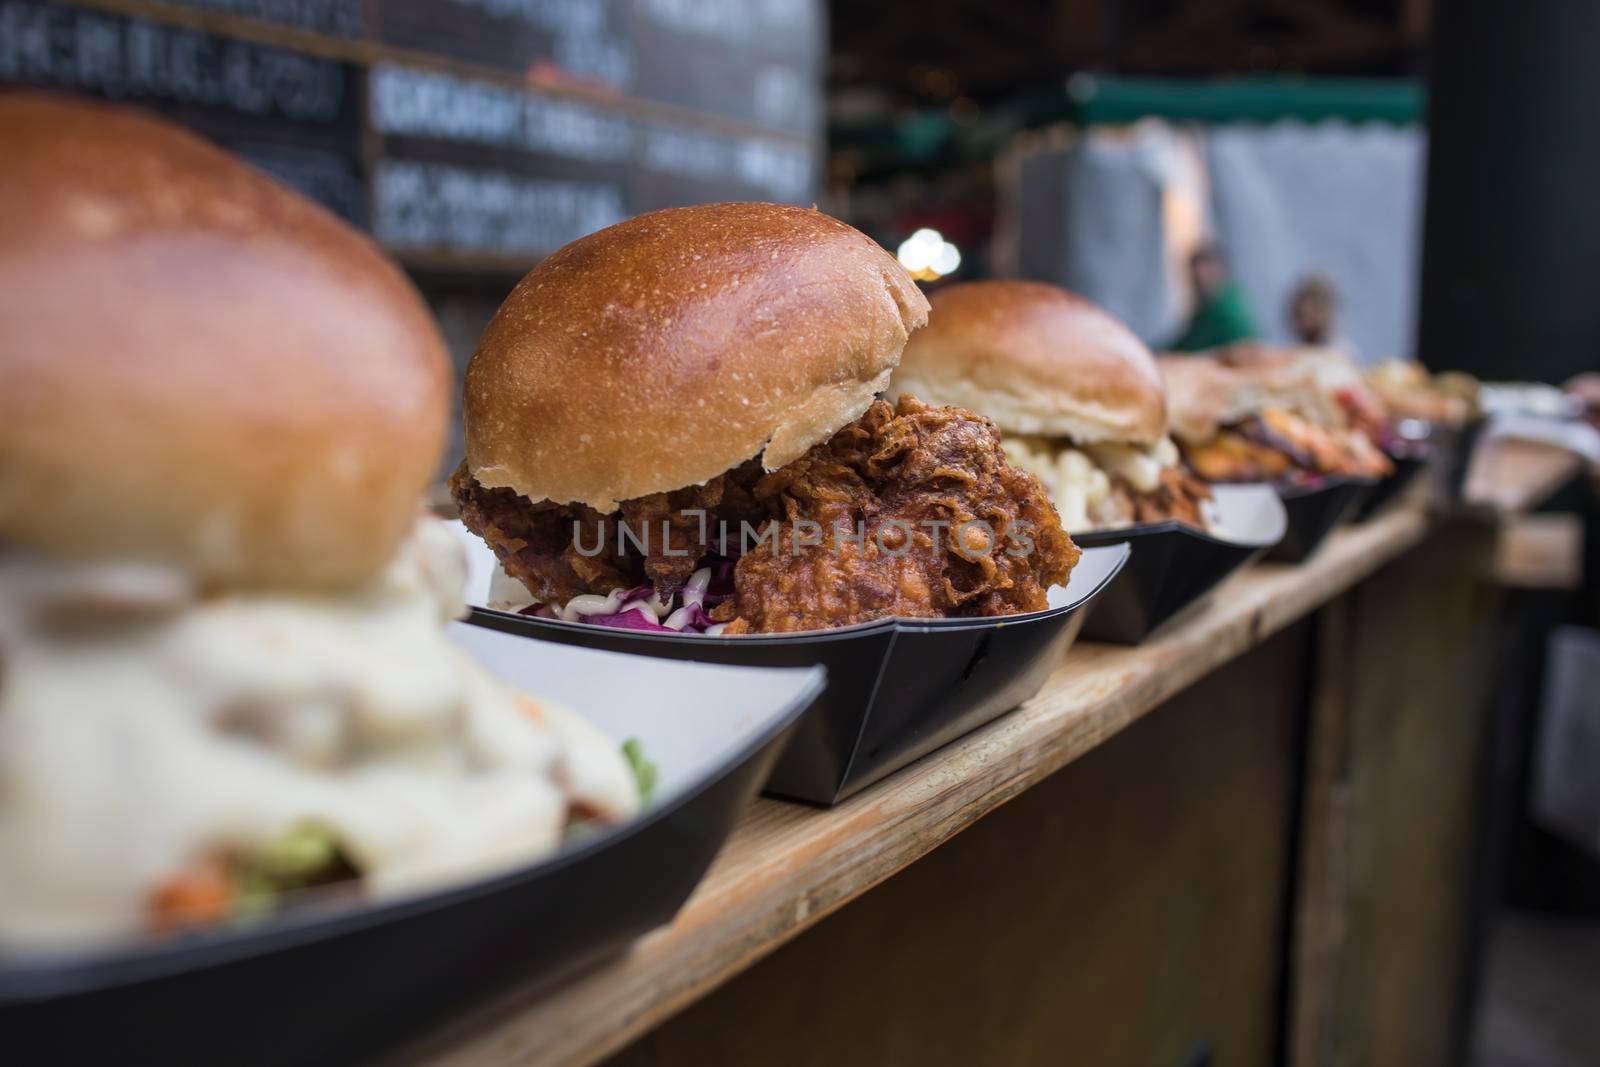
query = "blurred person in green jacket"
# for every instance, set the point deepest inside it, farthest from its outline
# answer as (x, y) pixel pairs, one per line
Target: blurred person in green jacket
(1221, 315)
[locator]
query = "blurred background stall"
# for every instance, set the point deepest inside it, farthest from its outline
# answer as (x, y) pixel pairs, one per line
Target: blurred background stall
(1396, 178)
(1279, 179)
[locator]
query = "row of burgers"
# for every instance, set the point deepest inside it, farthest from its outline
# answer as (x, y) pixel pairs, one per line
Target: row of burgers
(230, 676)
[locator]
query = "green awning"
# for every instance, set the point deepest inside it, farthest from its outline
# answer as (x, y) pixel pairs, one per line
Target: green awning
(1114, 101)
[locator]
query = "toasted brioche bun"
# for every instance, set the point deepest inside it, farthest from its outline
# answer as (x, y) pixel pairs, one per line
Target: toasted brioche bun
(201, 367)
(1037, 360)
(662, 351)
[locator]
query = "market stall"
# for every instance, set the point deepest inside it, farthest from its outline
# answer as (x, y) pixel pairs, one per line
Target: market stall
(774, 643)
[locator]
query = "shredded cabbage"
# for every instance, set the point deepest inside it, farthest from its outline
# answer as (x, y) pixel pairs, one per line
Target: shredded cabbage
(641, 608)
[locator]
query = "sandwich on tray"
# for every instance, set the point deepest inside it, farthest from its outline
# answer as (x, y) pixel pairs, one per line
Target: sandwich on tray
(1289, 416)
(1408, 391)
(1345, 400)
(224, 673)
(673, 424)
(1077, 395)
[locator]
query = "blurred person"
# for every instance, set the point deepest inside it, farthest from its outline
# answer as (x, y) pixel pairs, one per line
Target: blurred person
(1221, 315)
(1314, 313)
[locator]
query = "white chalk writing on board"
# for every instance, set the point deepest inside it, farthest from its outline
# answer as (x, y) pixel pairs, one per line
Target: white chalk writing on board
(124, 57)
(780, 169)
(732, 20)
(431, 206)
(596, 56)
(420, 103)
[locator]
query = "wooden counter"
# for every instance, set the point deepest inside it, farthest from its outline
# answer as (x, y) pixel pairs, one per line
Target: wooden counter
(788, 866)
(1511, 475)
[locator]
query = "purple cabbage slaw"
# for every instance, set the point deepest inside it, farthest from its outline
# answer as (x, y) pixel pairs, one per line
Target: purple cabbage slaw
(641, 607)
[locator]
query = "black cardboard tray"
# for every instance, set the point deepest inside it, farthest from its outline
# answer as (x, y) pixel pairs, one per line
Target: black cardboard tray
(1313, 513)
(897, 688)
(1407, 465)
(1453, 459)
(343, 985)
(1174, 566)
(1443, 451)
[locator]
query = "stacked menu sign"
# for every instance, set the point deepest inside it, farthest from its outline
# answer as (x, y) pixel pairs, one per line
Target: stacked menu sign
(471, 133)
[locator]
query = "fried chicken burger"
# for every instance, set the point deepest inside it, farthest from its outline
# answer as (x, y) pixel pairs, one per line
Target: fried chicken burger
(1260, 415)
(1077, 395)
(673, 423)
(224, 673)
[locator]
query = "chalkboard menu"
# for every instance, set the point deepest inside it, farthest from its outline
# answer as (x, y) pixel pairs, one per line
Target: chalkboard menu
(467, 134)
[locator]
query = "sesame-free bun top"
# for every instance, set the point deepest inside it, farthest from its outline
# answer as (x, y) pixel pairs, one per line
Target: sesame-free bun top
(662, 351)
(1037, 360)
(201, 368)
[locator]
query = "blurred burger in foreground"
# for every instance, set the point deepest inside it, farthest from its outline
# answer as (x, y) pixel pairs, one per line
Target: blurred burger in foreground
(223, 666)
(1078, 397)
(672, 424)
(1263, 415)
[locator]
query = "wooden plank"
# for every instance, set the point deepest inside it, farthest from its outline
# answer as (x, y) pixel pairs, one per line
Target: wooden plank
(1419, 642)
(1511, 475)
(787, 866)
(1540, 552)
(1324, 826)
(1126, 910)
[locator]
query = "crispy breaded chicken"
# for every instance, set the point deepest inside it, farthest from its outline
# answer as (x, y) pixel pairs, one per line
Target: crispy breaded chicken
(911, 510)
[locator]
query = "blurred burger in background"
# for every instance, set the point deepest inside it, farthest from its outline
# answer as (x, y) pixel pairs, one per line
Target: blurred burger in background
(1336, 395)
(224, 674)
(1077, 396)
(1408, 391)
(673, 424)
(1291, 416)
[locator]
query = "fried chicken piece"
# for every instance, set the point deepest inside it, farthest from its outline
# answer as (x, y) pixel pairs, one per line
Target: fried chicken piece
(1179, 496)
(534, 542)
(678, 528)
(1279, 444)
(559, 551)
(917, 514)
(675, 541)
(1232, 457)
(911, 510)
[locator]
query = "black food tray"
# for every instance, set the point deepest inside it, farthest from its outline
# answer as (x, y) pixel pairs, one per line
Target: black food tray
(1174, 566)
(340, 984)
(1407, 465)
(1314, 511)
(897, 688)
